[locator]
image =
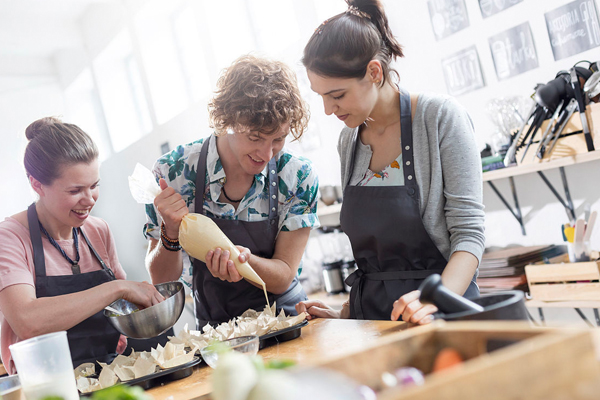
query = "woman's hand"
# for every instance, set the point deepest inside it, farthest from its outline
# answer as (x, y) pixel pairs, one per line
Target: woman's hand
(220, 266)
(122, 345)
(142, 294)
(317, 309)
(172, 209)
(412, 310)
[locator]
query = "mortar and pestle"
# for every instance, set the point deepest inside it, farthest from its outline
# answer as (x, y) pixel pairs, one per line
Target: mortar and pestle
(507, 305)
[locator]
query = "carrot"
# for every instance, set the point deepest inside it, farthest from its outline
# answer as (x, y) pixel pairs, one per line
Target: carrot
(446, 358)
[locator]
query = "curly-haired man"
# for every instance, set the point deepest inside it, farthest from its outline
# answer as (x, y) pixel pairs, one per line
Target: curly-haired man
(261, 196)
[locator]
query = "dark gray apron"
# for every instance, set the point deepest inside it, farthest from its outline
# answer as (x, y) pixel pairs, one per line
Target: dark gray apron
(392, 249)
(219, 301)
(93, 339)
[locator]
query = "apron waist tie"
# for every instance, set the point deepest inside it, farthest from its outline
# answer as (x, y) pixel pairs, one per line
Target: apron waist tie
(358, 276)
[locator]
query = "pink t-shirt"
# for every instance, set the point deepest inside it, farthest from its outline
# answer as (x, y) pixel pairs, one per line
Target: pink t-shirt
(16, 264)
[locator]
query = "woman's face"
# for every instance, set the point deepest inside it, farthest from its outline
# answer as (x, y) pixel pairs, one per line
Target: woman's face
(69, 199)
(351, 100)
(254, 150)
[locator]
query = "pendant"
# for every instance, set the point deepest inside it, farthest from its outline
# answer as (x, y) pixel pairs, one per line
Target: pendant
(75, 268)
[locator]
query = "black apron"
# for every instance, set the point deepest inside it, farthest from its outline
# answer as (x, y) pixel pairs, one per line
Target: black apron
(93, 339)
(392, 249)
(219, 301)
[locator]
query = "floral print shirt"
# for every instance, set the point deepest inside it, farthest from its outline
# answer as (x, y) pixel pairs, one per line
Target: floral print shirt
(392, 175)
(297, 197)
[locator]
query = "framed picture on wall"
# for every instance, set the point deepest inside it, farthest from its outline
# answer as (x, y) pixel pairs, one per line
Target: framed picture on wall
(513, 51)
(491, 7)
(573, 28)
(447, 17)
(462, 71)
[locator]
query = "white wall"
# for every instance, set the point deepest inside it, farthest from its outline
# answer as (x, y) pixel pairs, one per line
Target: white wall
(19, 106)
(421, 71)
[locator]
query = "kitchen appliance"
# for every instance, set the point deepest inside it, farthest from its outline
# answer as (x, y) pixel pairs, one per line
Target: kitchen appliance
(509, 305)
(152, 321)
(332, 277)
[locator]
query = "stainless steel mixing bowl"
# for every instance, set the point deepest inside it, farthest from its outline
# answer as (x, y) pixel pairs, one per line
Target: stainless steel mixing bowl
(152, 321)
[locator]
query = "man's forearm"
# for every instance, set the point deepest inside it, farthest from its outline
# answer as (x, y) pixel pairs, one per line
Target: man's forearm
(162, 264)
(276, 274)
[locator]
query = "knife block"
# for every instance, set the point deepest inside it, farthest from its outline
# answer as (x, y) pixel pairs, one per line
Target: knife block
(567, 145)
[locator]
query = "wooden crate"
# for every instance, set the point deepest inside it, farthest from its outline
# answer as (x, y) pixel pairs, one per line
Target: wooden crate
(564, 282)
(569, 145)
(528, 363)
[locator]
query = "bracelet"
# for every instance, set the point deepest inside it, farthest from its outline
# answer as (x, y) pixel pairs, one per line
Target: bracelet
(169, 246)
(163, 235)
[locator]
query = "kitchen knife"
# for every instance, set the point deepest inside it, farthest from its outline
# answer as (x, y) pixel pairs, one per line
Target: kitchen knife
(581, 108)
(567, 116)
(546, 136)
(540, 116)
(512, 150)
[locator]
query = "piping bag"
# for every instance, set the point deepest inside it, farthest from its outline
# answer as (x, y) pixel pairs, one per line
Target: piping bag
(198, 234)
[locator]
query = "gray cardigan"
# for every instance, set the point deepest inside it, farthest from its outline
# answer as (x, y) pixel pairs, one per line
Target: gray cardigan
(447, 169)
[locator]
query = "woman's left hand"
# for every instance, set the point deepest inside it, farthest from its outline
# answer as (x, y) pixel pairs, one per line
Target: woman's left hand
(122, 345)
(220, 266)
(412, 310)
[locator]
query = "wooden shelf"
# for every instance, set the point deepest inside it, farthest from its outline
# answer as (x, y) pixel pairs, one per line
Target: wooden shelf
(542, 166)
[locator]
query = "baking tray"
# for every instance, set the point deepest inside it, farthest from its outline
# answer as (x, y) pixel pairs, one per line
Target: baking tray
(282, 335)
(162, 376)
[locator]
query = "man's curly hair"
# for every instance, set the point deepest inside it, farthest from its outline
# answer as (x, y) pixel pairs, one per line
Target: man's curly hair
(260, 95)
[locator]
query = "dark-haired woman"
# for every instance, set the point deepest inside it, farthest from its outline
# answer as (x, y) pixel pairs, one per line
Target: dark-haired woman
(410, 171)
(58, 264)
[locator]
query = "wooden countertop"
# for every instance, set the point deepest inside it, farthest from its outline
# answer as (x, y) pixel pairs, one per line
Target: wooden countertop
(322, 338)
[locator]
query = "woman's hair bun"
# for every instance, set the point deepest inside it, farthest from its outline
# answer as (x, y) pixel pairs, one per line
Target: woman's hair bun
(40, 127)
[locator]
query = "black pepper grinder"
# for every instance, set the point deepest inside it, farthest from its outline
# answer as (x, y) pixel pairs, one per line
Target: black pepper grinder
(448, 302)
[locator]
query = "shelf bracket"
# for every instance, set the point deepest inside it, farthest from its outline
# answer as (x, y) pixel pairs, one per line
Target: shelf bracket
(516, 212)
(567, 203)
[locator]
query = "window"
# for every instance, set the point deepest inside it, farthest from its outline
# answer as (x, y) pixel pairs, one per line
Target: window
(119, 86)
(191, 54)
(230, 32)
(83, 109)
(275, 24)
(154, 30)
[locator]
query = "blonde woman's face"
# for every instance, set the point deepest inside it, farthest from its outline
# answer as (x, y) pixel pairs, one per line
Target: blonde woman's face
(70, 198)
(350, 99)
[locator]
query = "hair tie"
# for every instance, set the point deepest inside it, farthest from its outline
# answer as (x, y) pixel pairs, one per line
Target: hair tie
(355, 11)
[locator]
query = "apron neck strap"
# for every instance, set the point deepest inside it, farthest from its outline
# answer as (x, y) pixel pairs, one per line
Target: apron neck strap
(102, 263)
(201, 182)
(201, 177)
(407, 139)
(273, 188)
(39, 261)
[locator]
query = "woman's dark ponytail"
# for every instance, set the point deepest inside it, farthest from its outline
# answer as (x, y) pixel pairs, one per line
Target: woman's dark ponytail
(344, 45)
(374, 9)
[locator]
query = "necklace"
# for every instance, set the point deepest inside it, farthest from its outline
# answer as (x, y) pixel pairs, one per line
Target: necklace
(229, 198)
(74, 264)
